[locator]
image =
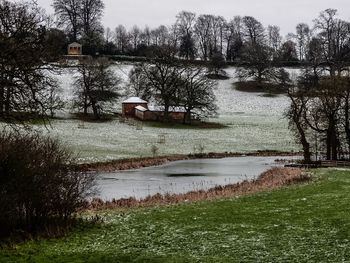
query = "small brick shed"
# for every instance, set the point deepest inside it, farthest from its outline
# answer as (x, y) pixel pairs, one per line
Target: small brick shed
(129, 105)
(153, 113)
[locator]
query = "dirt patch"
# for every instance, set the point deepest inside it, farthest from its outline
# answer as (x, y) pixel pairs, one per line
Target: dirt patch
(269, 180)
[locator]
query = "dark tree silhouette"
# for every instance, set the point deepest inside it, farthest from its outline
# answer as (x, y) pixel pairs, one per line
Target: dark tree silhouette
(96, 87)
(27, 47)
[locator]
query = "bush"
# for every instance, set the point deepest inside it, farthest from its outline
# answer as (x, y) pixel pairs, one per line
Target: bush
(264, 87)
(39, 185)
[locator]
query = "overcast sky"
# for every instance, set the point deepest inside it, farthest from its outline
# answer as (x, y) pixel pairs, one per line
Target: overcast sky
(284, 13)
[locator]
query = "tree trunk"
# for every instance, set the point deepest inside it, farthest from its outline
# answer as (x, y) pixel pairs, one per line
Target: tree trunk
(2, 93)
(228, 53)
(303, 140)
(332, 144)
(8, 101)
(75, 34)
(259, 77)
(331, 70)
(95, 110)
(166, 113)
(347, 120)
(187, 117)
(306, 148)
(86, 106)
(328, 146)
(334, 140)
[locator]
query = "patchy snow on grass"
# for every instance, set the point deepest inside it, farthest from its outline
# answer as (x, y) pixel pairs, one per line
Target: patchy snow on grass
(254, 122)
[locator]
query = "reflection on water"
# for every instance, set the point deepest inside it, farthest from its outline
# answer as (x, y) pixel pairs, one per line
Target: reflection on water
(182, 176)
(189, 174)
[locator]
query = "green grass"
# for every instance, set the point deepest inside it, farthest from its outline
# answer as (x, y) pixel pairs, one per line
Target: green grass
(306, 223)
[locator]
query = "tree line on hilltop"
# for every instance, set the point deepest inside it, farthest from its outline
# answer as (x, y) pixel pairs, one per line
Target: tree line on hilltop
(205, 36)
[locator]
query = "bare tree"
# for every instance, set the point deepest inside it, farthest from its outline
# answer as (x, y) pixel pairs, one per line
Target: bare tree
(146, 36)
(139, 86)
(54, 99)
(274, 37)
(24, 78)
(345, 112)
(162, 76)
(185, 25)
(197, 95)
(253, 31)
(297, 123)
(187, 47)
(216, 66)
(175, 38)
(287, 52)
(56, 44)
(121, 38)
(315, 57)
(92, 30)
(135, 35)
(108, 34)
(83, 19)
(159, 36)
(333, 34)
(185, 22)
(68, 14)
(256, 55)
(210, 32)
(256, 63)
(234, 38)
(96, 86)
(318, 108)
(90, 15)
(172, 85)
(219, 26)
(303, 37)
(323, 115)
(164, 80)
(203, 29)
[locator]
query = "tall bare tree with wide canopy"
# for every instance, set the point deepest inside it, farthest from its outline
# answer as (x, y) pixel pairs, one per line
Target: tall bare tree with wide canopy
(82, 20)
(25, 85)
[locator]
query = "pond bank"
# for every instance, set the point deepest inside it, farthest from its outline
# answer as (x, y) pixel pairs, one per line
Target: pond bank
(136, 163)
(272, 179)
(309, 222)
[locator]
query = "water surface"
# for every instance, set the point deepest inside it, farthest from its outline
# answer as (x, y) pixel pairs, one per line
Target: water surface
(182, 176)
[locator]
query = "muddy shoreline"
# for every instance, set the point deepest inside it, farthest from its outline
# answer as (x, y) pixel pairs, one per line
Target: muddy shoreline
(136, 163)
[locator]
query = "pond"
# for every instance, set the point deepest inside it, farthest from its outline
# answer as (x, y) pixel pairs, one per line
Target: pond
(182, 176)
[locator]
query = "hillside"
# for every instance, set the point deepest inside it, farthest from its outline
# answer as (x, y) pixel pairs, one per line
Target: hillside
(252, 120)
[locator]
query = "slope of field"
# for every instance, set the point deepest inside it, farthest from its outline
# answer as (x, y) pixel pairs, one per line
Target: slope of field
(306, 223)
(254, 122)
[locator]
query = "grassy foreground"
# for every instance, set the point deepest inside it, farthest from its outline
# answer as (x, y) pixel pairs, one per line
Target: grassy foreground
(305, 223)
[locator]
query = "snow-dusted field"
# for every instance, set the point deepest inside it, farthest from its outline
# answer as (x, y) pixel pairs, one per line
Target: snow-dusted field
(254, 123)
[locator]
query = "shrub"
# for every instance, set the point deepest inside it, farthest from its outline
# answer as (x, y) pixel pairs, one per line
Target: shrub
(39, 185)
